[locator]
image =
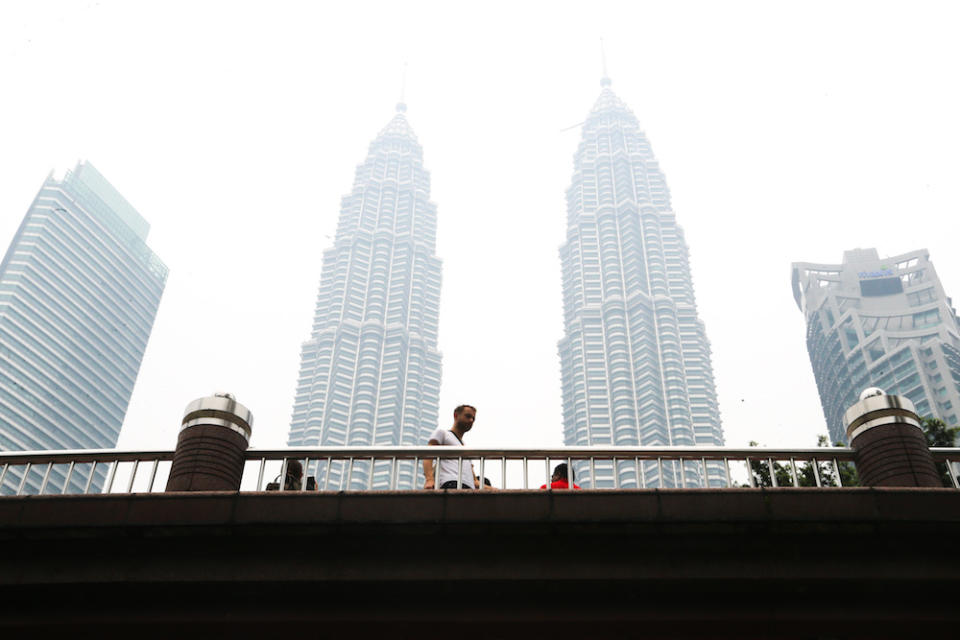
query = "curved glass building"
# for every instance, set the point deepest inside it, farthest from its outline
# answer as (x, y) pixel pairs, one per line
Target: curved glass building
(635, 360)
(79, 291)
(880, 323)
(370, 372)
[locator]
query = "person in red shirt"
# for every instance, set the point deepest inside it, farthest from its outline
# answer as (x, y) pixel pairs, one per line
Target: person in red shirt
(559, 478)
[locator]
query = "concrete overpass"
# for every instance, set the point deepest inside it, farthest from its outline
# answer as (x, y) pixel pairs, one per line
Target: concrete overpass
(744, 563)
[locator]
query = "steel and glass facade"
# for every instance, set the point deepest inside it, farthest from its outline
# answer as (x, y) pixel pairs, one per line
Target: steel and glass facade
(370, 371)
(880, 323)
(635, 360)
(79, 290)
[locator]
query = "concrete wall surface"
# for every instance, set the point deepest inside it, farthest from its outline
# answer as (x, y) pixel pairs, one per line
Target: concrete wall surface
(791, 563)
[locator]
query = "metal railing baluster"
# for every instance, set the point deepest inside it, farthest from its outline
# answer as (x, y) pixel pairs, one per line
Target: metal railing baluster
(153, 475)
(23, 480)
(133, 476)
(66, 482)
(525, 482)
(836, 469)
(773, 473)
(46, 478)
(306, 473)
(93, 469)
(816, 472)
(263, 464)
(283, 475)
(753, 483)
(726, 471)
(112, 475)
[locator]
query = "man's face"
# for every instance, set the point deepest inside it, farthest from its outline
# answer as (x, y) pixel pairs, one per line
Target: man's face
(464, 419)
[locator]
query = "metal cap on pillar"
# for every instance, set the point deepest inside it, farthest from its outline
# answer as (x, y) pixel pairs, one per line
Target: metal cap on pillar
(214, 434)
(891, 451)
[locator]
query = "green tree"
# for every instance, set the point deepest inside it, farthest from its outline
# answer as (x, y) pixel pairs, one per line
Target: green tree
(761, 472)
(938, 434)
(805, 471)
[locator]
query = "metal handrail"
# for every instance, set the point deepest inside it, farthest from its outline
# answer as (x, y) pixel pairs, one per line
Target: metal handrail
(665, 466)
(65, 456)
(511, 453)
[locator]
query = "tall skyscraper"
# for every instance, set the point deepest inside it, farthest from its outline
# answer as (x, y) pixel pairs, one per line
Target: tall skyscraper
(370, 372)
(635, 360)
(880, 323)
(79, 290)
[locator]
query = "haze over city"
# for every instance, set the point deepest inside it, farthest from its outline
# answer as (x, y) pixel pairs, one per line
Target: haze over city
(786, 133)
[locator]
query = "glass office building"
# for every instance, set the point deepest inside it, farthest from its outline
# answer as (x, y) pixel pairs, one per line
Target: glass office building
(370, 371)
(79, 290)
(880, 323)
(635, 360)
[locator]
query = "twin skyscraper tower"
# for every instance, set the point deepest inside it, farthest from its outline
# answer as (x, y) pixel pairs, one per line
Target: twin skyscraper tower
(635, 359)
(79, 290)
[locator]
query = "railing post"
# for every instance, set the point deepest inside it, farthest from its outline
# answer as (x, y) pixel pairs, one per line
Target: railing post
(953, 476)
(66, 482)
(214, 435)
(891, 450)
(153, 474)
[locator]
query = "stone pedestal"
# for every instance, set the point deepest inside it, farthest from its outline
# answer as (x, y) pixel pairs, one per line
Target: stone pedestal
(891, 450)
(213, 437)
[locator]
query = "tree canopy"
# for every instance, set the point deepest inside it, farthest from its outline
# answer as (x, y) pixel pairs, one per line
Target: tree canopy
(935, 431)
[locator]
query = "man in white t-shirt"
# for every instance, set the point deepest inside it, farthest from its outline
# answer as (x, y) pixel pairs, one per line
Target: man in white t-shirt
(463, 417)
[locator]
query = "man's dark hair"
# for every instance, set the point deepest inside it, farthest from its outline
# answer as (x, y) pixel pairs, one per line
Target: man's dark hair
(560, 472)
(461, 407)
(294, 475)
(294, 468)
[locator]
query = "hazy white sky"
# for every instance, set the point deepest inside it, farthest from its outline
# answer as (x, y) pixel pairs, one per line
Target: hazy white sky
(787, 132)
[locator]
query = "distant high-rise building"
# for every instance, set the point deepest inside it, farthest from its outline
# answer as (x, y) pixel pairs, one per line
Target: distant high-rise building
(370, 372)
(880, 323)
(79, 290)
(635, 360)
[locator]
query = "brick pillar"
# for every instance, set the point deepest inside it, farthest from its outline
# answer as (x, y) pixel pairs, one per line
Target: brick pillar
(891, 451)
(213, 438)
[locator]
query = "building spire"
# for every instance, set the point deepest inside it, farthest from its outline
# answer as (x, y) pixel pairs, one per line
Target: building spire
(605, 80)
(402, 105)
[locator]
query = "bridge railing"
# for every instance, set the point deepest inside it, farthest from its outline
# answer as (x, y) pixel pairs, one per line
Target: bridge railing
(401, 468)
